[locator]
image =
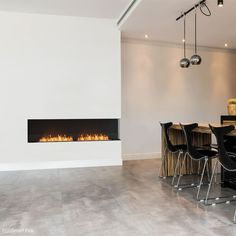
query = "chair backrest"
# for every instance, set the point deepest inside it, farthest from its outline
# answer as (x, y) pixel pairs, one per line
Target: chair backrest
(188, 133)
(165, 129)
(224, 157)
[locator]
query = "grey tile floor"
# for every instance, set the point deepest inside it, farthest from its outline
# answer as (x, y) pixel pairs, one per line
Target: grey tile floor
(129, 200)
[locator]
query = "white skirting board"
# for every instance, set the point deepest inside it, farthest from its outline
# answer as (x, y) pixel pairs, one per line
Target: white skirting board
(141, 156)
(57, 164)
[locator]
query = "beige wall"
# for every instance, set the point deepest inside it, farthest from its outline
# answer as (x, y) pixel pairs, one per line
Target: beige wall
(155, 88)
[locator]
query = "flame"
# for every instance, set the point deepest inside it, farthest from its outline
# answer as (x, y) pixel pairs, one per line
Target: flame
(58, 138)
(93, 137)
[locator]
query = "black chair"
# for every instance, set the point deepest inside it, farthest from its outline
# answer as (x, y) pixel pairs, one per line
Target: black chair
(169, 147)
(227, 160)
(196, 154)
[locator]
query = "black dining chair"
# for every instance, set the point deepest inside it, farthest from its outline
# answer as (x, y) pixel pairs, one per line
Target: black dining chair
(196, 154)
(227, 160)
(169, 147)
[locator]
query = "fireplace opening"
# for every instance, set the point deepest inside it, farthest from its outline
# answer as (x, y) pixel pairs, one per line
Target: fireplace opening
(72, 130)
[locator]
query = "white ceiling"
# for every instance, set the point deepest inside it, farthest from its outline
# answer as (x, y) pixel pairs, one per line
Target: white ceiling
(153, 17)
(157, 19)
(84, 8)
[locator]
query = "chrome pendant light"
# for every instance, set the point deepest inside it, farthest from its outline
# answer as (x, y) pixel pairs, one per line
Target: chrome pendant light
(184, 62)
(195, 59)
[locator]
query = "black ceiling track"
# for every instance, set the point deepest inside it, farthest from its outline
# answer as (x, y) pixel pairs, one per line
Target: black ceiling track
(191, 9)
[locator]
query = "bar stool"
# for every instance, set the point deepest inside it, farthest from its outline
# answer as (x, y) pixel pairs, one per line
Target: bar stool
(196, 154)
(227, 160)
(169, 147)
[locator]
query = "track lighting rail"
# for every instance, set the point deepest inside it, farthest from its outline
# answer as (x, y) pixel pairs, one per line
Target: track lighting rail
(191, 9)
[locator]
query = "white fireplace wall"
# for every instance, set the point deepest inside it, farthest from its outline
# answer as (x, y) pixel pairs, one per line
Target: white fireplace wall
(56, 67)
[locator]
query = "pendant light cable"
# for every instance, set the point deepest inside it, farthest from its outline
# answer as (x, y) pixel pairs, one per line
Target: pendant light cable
(184, 36)
(184, 62)
(195, 30)
(195, 59)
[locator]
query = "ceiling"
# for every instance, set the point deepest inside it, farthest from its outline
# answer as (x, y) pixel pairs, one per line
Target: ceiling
(84, 8)
(157, 19)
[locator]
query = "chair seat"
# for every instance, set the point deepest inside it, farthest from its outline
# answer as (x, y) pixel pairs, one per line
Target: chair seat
(231, 161)
(207, 152)
(232, 155)
(214, 146)
(230, 148)
(181, 147)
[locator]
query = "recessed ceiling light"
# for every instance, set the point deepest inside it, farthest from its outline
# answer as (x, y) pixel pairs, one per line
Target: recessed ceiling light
(226, 45)
(220, 3)
(146, 36)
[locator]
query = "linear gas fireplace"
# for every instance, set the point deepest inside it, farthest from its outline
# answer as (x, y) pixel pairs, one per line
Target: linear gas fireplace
(72, 130)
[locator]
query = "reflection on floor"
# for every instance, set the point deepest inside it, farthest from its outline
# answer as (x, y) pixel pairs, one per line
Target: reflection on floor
(128, 200)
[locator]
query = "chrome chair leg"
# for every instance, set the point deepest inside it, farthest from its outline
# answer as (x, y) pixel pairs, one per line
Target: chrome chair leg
(199, 165)
(217, 171)
(165, 163)
(202, 175)
(191, 164)
(210, 184)
(181, 171)
(207, 168)
(176, 167)
(162, 163)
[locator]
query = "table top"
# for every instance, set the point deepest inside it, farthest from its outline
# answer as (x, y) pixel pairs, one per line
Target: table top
(204, 128)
